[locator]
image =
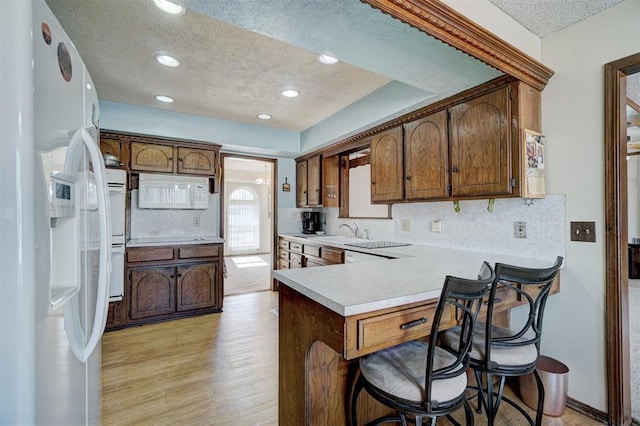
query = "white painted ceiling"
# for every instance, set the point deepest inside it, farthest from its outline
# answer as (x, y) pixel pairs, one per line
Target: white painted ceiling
(544, 17)
(238, 56)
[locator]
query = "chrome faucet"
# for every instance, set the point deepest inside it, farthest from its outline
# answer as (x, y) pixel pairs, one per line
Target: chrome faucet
(355, 230)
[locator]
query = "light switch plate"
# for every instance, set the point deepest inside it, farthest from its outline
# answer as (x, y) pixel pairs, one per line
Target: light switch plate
(583, 231)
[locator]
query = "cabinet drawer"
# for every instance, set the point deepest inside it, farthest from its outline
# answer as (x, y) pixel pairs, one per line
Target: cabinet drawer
(294, 246)
(312, 250)
(283, 244)
(400, 326)
(284, 254)
(283, 264)
(199, 251)
(146, 254)
(332, 255)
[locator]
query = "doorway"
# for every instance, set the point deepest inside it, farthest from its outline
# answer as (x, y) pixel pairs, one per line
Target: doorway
(248, 222)
(616, 205)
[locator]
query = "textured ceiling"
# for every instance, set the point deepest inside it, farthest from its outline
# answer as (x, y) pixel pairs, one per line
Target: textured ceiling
(238, 56)
(544, 17)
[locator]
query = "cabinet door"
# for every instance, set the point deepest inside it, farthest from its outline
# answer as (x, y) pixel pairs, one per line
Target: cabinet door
(110, 146)
(480, 146)
(387, 174)
(146, 157)
(426, 154)
(331, 181)
(195, 161)
(301, 183)
(152, 292)
(314, 181)
(197, 286)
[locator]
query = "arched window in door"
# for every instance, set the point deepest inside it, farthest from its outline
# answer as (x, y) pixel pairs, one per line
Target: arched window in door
(243, 216)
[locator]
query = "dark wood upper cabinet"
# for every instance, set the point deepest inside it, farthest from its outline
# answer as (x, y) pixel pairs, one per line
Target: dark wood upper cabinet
(301, 183)
(387, 169)
(196, 161)
(480, 145)
(110, 146)
(309, 182)
(314, 181)
(426, 156)
(146, 157)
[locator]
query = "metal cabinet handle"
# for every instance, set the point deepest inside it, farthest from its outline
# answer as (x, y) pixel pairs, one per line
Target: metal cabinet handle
(179, 159)
(170, 158)
(454, 169)
(173, 276)
(408, 177)
(413, 323)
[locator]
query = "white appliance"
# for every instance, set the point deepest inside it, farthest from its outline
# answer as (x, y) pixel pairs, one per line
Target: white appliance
(55, 235)
(157, 191)
(117, 184)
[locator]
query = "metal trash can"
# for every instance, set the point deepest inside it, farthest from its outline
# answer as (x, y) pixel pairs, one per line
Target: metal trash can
(555, 380)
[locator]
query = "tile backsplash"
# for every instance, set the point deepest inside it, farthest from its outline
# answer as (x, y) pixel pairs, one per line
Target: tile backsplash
(149, 223)
(473, 228)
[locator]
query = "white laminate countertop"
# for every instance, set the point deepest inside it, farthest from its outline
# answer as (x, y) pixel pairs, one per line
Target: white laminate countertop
(416, 274)
(172, 241)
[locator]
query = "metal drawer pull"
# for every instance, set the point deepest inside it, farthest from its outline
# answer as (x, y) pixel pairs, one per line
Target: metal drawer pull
(495, 300)
(413, 323)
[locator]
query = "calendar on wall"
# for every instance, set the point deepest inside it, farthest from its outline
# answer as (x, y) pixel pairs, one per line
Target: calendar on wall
(534, 159)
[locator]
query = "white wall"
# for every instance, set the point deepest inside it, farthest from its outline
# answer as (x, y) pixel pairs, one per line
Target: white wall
(573, 119)
(573, 116)
(473, 228)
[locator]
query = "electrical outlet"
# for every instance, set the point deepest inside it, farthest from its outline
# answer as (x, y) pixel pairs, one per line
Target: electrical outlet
(583, 231)
(436, 226)
(196, 222)
(520, 229)
(406, 225)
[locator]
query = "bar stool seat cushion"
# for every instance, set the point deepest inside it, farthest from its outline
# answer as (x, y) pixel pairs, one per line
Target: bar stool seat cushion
(400, 371)
(502, 355)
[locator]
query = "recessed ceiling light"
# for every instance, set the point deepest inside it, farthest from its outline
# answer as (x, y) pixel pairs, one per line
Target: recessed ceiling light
(326, 59)
(164, 98)
(290, 93)
(169, 7)
(89, 86)
(167, 60)
(264, 116)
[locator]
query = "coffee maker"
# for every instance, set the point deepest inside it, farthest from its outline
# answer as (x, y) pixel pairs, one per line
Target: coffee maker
(310, 222)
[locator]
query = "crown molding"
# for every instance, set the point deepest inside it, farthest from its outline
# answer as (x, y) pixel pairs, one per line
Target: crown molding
(449, 26)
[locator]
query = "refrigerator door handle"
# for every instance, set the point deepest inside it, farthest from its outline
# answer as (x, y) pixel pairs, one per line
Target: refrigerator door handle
(84, 350)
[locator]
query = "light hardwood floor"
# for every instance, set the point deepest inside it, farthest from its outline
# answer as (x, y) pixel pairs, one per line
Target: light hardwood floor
(218, 369)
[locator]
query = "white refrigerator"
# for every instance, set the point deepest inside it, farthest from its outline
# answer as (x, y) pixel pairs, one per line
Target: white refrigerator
(55, 236)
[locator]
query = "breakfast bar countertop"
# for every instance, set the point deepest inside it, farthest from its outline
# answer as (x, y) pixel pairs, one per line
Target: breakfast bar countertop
(172, 241)
(414, 273)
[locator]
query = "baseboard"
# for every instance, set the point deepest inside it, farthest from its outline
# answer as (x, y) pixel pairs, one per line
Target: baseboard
(588, 411)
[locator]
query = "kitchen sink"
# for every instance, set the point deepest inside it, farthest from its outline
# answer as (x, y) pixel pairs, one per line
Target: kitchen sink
(376, 244)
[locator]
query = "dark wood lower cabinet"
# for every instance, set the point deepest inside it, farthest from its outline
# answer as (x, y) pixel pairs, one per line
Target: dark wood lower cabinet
(169, 282)
(152, 292)
(196, 287)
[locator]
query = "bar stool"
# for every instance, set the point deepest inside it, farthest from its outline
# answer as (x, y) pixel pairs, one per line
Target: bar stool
(505, 352)
(419, 378)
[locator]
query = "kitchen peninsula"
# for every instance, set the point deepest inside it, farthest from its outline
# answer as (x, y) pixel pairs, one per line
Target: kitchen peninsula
(330, 316)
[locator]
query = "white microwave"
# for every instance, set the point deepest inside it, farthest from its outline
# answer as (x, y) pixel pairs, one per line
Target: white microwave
(172, 192)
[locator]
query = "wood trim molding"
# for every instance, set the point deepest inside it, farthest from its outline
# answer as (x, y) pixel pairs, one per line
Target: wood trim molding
(597, 415)
(632, 104)
(161, 140)
(617, 285)
(360, 140)
(447, 25)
